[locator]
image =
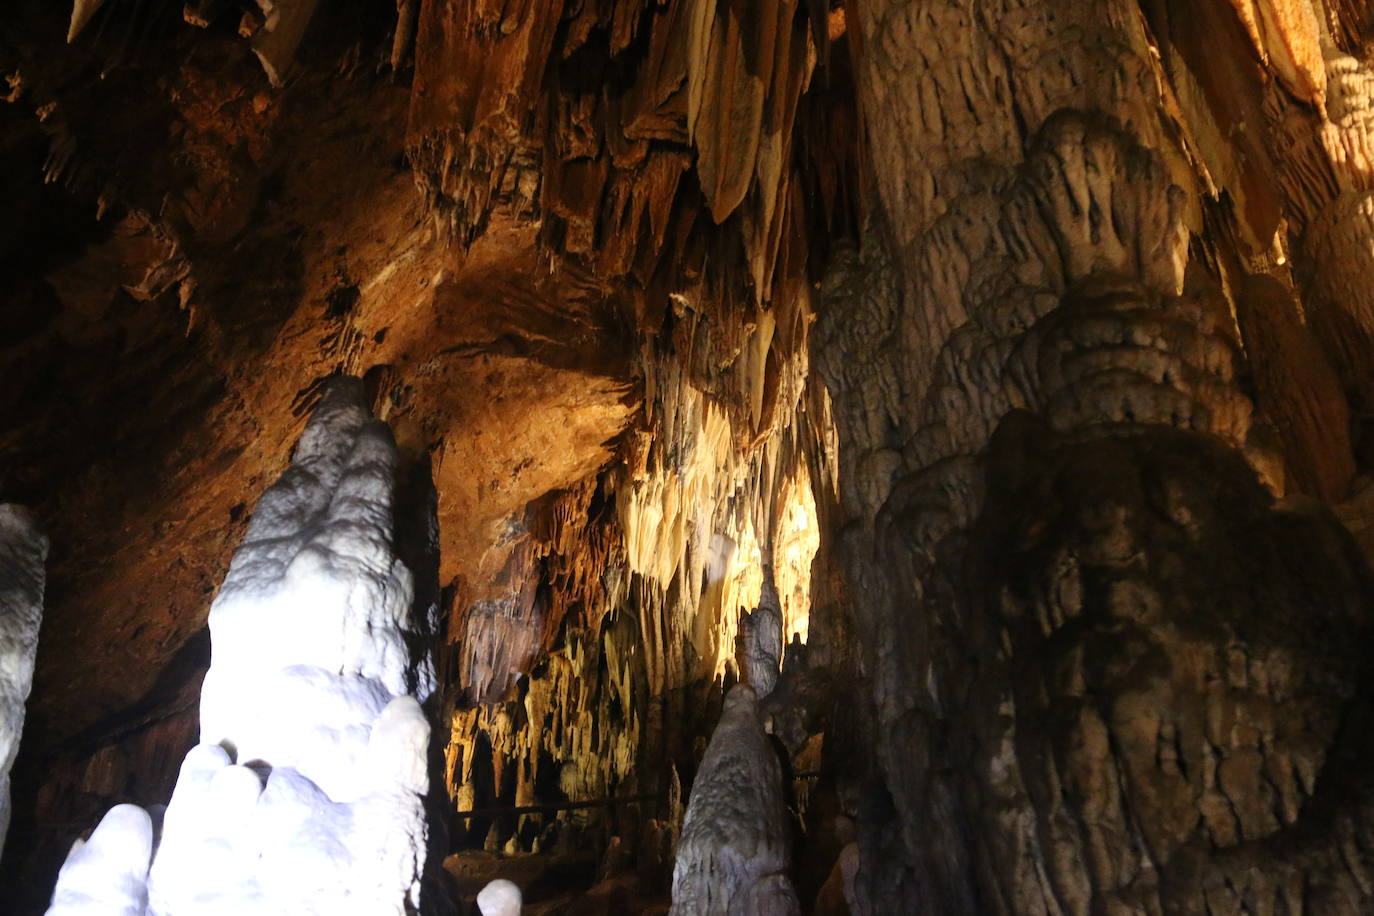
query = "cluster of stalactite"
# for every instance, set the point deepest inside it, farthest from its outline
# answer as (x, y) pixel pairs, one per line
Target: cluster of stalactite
(612, 120)
(660, 146)
(627, 592)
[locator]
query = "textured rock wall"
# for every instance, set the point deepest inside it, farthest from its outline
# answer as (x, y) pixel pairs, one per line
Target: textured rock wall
(1055, 369)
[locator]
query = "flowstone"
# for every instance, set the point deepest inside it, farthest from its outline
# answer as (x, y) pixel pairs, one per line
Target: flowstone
(306, 793)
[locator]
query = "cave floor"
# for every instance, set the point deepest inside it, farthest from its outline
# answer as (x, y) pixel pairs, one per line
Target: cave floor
(555, 883)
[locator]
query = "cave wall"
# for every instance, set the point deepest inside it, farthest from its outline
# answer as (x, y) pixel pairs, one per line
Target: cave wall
(1084, 483)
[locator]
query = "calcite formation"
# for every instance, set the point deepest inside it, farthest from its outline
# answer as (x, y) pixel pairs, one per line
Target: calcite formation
(22, 552)
(107, 874)
(735, 847)
(500, 898)
(305, 794)
(309, 630)
(971, 381)
(1033, 296)
(760, 640)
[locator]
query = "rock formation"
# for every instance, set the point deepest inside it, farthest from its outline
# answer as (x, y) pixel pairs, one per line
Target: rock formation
(22, 552)
(306, 792)
(107, 874)
(499, 898)
(986, 386)
(735, 848)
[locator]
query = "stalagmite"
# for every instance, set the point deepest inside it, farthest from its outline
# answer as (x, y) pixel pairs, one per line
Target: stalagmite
(22, 552)
(107, 875)
(760, 640)
(500, 898)
(313, 692)
(308, 632)
(735, 846)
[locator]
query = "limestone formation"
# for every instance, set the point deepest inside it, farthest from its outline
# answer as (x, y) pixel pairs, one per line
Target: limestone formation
(760, 640)
(82, 11)
(974, 383)
(305, 794)
(284, 25)
(735, 848)
(22, 552)
(499, 898)
(107, 875)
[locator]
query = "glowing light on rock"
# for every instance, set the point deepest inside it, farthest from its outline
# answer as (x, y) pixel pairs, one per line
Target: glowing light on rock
(305, 795)
(795, 545)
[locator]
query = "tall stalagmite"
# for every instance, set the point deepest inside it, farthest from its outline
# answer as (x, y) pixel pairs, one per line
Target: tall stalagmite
(306, 793)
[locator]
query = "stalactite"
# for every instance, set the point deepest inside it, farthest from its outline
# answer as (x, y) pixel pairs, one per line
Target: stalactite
(82, 11)
(284, 25)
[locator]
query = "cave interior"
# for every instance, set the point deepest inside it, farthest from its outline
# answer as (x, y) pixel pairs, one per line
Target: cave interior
(686, 456)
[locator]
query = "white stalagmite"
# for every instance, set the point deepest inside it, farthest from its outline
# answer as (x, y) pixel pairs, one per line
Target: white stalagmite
(500, 898)
(107, 874)
(22, 552)
(735, 848)
(305, 795)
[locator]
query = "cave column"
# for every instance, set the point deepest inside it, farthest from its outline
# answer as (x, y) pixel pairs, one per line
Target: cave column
(1051, 472)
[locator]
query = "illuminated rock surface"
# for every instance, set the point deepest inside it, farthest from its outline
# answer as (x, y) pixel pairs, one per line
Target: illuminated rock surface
(306, 793)
(1028, 344)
